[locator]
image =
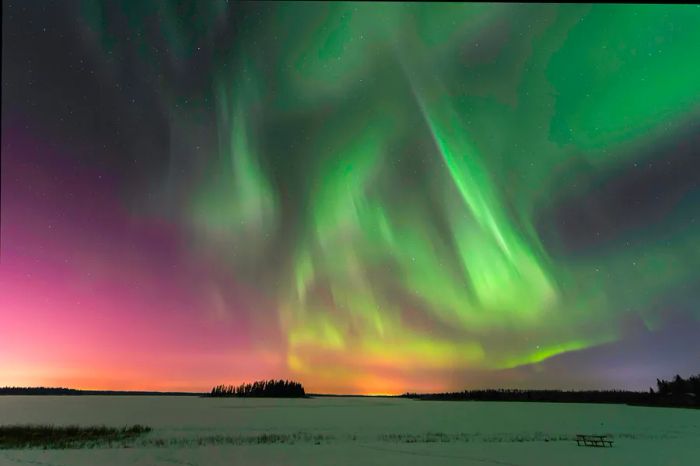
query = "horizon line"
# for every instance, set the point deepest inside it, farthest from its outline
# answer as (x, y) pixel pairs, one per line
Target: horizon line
(369, 395)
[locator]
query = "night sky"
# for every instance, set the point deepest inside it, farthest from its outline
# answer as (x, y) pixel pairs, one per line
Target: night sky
(365, 197)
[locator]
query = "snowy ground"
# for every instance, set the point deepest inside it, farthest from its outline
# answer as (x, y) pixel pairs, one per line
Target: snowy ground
(350, 431)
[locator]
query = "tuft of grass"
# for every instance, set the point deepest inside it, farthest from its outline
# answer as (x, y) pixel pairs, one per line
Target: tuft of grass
(259, 439)
(60, 437)
(442, 437)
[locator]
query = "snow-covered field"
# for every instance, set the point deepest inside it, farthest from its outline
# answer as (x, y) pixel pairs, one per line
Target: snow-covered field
(354, 431)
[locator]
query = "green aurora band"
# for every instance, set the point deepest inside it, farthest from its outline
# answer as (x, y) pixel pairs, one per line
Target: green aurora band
(381, 171)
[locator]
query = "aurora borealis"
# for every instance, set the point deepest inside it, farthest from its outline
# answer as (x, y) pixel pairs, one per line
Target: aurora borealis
(367, 197)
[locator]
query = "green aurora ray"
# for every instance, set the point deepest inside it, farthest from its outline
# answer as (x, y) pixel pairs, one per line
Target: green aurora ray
(384, 172)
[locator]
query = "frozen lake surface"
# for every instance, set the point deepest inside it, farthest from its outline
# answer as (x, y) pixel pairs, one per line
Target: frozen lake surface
(350, 431)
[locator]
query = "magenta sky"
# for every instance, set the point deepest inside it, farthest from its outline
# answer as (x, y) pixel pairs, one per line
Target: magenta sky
(94, 297)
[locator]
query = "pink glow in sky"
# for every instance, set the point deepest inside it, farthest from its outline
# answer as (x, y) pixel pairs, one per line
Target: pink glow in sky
(92, 297)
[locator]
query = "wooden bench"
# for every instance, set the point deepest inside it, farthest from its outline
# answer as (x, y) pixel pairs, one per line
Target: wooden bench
(594, 440)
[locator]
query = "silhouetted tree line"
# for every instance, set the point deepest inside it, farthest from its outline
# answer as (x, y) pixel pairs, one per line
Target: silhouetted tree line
(38, 391)
(679, 386)
(677, 392)
(587, 396)
(72, 391)
(261, 388)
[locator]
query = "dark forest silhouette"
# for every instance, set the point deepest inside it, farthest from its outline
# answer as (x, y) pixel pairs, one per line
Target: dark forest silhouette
(676, 392)
(261, 388)
(38, 391)
(73, 391)
(679, 386)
